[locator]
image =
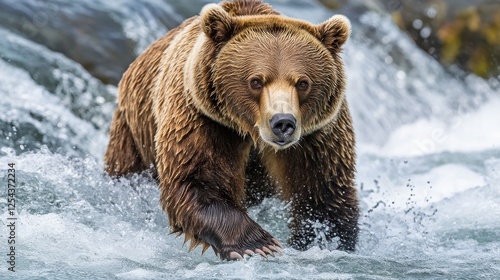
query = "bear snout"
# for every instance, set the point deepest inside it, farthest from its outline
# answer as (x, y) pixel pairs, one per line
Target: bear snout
(283, 126)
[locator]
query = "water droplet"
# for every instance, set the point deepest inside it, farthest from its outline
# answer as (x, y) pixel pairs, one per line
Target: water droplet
(432, 11)
(100, 100)
(417, 24)
(425, 32)
(401, 75)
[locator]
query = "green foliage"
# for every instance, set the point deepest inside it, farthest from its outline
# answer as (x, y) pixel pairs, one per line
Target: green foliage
(468, 37)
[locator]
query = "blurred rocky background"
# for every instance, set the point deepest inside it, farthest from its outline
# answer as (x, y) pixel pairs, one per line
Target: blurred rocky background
(461, 33)
(105, 36)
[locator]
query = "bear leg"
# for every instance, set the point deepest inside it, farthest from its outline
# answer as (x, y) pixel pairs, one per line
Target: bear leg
(202, 187)
(258, 183)
(317, 223)
(318, 179)
(121, 155)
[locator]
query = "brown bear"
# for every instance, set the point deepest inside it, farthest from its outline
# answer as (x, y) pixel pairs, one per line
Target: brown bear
(232, 106)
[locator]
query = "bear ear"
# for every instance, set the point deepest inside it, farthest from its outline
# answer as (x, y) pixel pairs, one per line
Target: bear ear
(216, 23)
(333, 33)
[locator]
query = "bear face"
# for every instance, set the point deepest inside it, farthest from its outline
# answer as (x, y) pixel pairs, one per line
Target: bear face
(291, 82)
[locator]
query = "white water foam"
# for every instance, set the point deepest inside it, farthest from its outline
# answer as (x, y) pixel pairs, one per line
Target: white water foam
(467, 132)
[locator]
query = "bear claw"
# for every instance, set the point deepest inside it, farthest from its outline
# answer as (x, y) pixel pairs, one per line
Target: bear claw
(264, 252)
(277, 243)
(235, 256)
(267, 250)
(277, 250)
(259, 251)
(249, 252)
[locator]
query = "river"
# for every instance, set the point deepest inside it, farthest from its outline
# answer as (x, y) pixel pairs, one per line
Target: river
(428, 144)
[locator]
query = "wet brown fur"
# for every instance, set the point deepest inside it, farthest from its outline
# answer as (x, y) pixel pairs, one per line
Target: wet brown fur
(202, 146)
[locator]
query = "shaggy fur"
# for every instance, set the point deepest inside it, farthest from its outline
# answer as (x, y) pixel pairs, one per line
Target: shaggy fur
(196, 108)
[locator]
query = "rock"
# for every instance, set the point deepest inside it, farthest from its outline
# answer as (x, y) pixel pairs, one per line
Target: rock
(104, 38)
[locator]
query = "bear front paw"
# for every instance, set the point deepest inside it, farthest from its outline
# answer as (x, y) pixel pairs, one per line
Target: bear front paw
(234, 235)
(229, 230)
(254, 240)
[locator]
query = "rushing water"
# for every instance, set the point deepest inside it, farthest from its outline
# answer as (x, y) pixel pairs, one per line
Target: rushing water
(428, 167)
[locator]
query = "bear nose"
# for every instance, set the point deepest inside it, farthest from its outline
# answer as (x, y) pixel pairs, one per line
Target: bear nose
(283, 125)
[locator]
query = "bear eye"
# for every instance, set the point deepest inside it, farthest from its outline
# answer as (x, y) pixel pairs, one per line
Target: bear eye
(256, 84)
(302, 85)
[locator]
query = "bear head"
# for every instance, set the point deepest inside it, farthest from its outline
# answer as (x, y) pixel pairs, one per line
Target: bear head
(268, 76)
